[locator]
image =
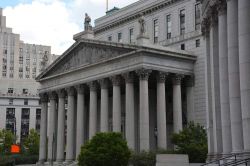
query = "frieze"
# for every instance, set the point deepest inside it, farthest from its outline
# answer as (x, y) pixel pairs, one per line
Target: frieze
(86, 54)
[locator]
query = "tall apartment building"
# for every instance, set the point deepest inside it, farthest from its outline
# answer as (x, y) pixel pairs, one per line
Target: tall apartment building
(20, 63)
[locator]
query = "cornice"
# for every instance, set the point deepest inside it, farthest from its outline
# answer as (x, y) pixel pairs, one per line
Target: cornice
(135, 16)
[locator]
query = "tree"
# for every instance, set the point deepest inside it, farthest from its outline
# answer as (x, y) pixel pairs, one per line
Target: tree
(192, 141)
(7, 138)
(31, 143)
(105, 149)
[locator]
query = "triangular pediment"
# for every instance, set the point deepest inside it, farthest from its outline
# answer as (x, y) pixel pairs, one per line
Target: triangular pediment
(83, 54)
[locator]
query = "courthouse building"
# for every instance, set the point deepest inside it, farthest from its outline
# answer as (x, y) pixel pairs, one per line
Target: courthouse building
(146, 70)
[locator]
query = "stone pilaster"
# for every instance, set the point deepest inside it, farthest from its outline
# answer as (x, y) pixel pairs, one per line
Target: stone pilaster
(144, 109)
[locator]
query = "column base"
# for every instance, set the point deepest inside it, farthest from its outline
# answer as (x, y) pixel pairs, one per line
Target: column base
(40, 162)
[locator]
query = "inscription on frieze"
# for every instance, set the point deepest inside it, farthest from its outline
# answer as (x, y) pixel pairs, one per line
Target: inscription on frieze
(86, 54)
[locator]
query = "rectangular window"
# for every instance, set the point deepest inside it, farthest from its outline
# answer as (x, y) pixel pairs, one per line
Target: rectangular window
(26, 102)
(120, 37)
(156, 30)
(198, 16)
(169, 26)
(10, 101)
(182, 46)
(38, 120)
(182, 22)
(10, 119)
(10, 90)
(25, 91)
(197, 43)
(131, 36)
(25, 118)
(110, 38)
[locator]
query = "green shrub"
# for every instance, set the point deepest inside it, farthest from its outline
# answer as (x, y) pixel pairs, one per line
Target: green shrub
(7, 138)
(143, 159)
(31, 143)
(192, 141)
(25, 159)
(105, 149)
(7, 161)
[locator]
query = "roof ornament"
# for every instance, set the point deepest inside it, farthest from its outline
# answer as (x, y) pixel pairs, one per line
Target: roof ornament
(142, 23)
(44, 61)
(87, 21)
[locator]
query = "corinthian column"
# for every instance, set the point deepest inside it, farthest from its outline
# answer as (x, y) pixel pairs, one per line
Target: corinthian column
(177, 104)
(224, 85)
(244, 59)
(130, 110)
(52, 127)
(215, 82)
(234, 76)
(117, 113)
(144, 109)
(43, 129)
(70, 152)
(61, 127)
(92, 109)
(80, 119)
(104, 105)
(161, 111)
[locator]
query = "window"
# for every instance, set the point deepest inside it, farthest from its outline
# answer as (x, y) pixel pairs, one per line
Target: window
(120, 37)
(25, 118)
(10, 119)
(26, 102)
(110, 38)
(156, 30)
(182, 46)
(5, 51)
(10, 101)
(131, 36)
(25, 91)
(169, 25)
(182, 21)
(38, 119)
(10, 90)
(197, 16)
(197, 43)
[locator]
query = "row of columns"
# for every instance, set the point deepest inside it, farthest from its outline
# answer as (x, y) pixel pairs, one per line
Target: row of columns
(228, 67)
(76, 119)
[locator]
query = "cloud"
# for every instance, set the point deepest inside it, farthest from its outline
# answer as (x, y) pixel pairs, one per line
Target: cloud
(54, 22)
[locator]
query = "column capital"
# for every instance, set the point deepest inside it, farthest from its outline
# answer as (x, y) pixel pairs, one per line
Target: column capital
(189, 81)
(80, 89)
(177, 79)
(70, 91)
(222, 6)
(61, 93)
(52, 95)
(93, 86)
(43, 97)
(129, 77)
(161, 77)
(143, 73)
(116, 80)
(104, 83)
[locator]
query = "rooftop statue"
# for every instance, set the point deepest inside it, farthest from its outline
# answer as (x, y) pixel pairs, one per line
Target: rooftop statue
(142, 23)
(87, 21)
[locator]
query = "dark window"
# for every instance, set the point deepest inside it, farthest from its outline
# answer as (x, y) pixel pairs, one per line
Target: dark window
(197, 43)
(110, 38)
(25, 91)
(25, 123)
(131, 35)
(182, 46)
(10, 90)
(10, 101)
(26, 102)
(197, 16)
(182, 21)
(120, 37)
(38, 120)
(169, 26)
(10, 119)
(156, 30)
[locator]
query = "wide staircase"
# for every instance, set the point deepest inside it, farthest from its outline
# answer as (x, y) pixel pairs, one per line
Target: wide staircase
(237, 159)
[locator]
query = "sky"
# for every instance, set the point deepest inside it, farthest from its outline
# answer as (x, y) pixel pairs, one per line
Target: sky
(53, 22)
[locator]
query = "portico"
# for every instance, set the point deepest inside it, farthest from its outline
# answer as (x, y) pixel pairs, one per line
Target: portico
(103, 86)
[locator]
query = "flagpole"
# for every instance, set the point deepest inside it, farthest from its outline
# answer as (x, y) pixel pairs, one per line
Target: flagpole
(107, 5)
